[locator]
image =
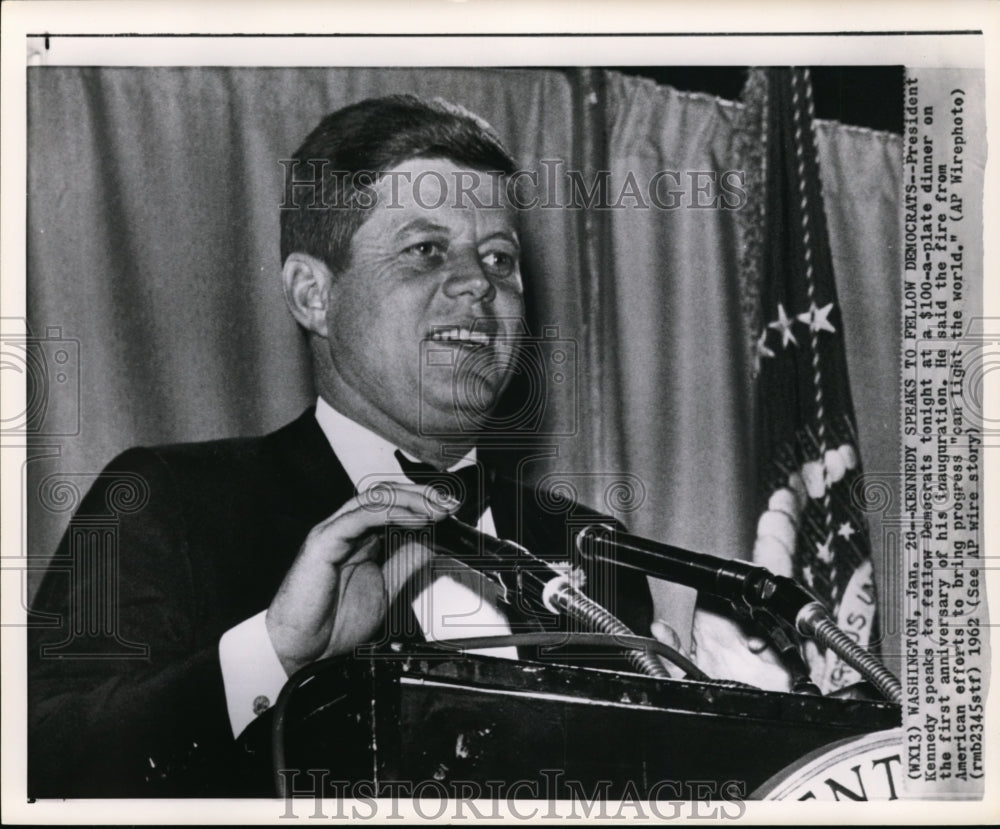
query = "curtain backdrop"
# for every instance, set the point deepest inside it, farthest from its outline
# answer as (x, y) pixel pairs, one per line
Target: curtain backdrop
(153, 242)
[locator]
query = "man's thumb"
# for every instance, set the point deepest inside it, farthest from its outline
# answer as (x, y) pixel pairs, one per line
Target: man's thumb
(666, 634)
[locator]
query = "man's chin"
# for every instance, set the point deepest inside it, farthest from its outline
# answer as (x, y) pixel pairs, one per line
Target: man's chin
(458, 416)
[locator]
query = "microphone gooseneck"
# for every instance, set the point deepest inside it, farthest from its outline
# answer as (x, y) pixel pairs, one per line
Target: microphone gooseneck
(575, 603)
(551, 587)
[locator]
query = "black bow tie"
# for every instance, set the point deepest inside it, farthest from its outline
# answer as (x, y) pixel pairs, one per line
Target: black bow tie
(467, 485)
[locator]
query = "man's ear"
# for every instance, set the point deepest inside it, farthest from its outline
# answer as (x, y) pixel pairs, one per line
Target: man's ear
(306, 283)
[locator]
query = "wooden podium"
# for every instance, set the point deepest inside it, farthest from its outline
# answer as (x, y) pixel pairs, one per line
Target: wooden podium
(471, 723)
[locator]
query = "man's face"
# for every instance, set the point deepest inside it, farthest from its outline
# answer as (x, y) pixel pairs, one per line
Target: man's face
(421, 322)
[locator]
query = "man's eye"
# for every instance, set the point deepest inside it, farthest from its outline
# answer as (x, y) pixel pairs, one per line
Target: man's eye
(426, 250)
(499, 263)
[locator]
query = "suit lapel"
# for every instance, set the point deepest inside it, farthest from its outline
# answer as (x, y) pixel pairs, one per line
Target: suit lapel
(317, 485)
(315, 482)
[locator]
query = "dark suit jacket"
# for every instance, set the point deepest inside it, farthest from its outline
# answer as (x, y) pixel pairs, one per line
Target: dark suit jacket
(170, 548)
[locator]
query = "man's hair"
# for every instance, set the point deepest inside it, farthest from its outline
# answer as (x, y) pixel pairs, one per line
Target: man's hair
(345, 154)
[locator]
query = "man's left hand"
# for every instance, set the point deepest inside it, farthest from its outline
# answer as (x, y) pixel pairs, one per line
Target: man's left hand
(724, 651)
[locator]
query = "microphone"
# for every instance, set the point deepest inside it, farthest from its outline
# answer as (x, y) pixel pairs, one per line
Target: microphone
(730, 579)
(769, 597)
(773, 601)
(518, 572)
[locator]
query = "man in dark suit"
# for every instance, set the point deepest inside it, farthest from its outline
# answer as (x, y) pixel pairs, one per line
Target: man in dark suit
(235, 563)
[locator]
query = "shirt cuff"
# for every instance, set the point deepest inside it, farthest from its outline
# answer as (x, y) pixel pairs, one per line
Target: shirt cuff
(251, 671)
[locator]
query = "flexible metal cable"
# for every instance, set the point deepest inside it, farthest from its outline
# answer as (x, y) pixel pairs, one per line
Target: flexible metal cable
(575, 604)
(814, 621)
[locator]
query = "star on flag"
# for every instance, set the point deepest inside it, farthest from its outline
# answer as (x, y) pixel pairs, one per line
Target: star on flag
(816, 318)
(823, 551)
(761, 350)
(846, 531)
(784, 324)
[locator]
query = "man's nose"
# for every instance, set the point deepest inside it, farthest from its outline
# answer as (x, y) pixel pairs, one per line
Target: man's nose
(467, 278)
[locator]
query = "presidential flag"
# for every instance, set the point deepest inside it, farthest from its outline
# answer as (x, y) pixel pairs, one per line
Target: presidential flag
(809, 527)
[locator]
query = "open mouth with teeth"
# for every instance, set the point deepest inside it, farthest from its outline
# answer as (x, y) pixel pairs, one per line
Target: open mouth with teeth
(474, 357)
(460, 335)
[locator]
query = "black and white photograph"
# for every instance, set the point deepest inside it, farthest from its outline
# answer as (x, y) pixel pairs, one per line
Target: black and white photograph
(515, 425)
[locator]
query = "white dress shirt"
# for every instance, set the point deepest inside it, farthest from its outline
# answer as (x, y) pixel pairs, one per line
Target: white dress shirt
(455, 603)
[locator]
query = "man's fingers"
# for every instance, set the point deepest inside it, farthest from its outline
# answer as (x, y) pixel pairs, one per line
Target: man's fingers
(662, 632)
(382, 504)
(385, 499)
(723, 651)
(333, 596)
